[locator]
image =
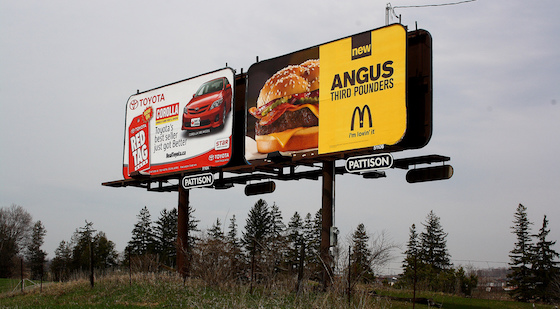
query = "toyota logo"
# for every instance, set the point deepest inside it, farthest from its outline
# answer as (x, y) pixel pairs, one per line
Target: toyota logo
(133, 104)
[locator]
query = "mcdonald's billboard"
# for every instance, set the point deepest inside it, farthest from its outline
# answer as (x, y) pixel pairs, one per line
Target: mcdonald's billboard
(337, 97)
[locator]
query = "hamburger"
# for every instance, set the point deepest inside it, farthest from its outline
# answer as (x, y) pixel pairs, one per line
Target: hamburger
(287, 109)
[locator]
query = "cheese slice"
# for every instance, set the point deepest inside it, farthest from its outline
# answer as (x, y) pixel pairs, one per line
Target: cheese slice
(284, 136)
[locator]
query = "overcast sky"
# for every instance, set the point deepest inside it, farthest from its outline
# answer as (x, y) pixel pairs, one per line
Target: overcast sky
(67, 69)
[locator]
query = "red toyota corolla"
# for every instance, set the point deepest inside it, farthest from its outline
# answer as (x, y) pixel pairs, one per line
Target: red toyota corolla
(209, 106)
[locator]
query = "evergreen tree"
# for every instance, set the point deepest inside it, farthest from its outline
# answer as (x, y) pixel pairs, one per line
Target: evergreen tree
(411, 261)
(104, 251)
(192, 228)
(216, 232)
(360, 258)
(277, 225)
(521, 257)
(309, 237)
(257, 227)
(83, 244)
(314, 263)
(433, 245)
(165, 230)
(60, 265)
(295, 240)
(143, 240)
(36, 256)
(544, 265)
(232, 233)
(80, 243)
(234, 250)
(277, 240)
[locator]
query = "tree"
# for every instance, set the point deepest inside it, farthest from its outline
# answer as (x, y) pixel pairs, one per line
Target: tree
(427, 260)
(521, 256)
(360, 258)
(216, 231)
(544, 267)
(143, 241)
(257, 227)
(81, 242)
(295, 240)
(36, 256)
(433, 248)
(106, 256)
(232, 233)
(410, 263)
(60, 265)
(235, 256)
(15, 231)
(165, 230)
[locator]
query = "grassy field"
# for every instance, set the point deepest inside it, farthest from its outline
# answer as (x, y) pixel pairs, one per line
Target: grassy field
(165, 291)
(8, 285)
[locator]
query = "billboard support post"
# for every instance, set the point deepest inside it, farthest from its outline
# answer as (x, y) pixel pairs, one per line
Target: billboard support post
(327, 220)
(183, 250)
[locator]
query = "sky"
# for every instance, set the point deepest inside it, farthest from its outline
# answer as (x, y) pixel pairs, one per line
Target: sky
(67, 69)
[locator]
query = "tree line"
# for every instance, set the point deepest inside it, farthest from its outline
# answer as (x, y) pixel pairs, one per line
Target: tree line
(267, 249)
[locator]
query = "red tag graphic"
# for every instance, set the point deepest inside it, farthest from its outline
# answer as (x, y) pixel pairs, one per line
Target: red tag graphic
(139, 145)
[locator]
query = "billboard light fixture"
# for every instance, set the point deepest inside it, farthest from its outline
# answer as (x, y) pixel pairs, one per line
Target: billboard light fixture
(277, 157)
(374, 175)
(260, 188)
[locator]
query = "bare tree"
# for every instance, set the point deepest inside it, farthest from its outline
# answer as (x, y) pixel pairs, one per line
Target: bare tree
(15, 232)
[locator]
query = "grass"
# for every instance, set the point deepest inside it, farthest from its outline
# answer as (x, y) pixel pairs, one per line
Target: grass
(169, 291)
(9, 285)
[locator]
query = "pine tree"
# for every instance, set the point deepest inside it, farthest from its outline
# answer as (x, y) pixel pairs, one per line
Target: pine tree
(106, 255)
(216, 232)
(143, 241)
(295, 240)
(232, 233)
(234, 250)
(80, 243)
(60, 265)
(433, 245)
(257, 227)
(521, 257)
(192, 228)
(544, 264)
(36, 256)
(277, 240)
(411, 261)
(360, 258)
(315, 265)
(165, 230)
(277, 225)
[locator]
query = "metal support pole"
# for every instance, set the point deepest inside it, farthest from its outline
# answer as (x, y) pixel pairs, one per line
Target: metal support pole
(183, 232)
(327, 220)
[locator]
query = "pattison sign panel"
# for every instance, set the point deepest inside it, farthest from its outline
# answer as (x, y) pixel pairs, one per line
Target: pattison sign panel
(182, 126)
(344, 95)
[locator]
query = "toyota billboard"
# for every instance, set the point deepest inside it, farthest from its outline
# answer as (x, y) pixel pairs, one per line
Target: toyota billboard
(182, 126)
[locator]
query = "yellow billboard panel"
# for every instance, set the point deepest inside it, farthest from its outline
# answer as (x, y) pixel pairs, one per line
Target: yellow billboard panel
(362, 96)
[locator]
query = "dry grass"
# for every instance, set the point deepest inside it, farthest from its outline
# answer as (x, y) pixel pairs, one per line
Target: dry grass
(157, 290)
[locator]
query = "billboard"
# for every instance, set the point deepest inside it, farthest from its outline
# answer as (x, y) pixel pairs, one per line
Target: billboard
(340, 96)
(182, 126)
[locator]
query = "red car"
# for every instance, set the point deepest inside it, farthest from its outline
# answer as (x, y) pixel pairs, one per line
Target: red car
(209, 106)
